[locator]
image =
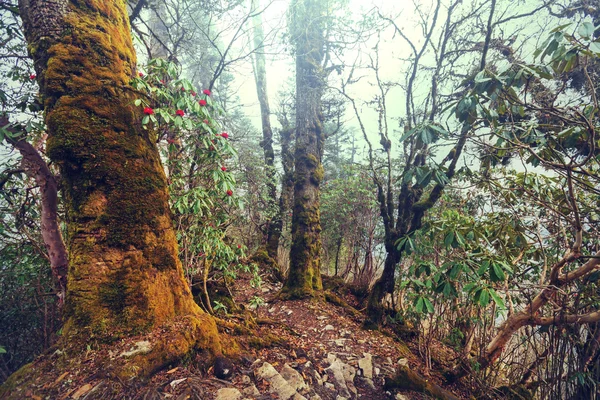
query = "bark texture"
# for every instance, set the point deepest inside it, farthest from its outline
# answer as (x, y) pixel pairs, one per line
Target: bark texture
(124, 276)
(304, 278)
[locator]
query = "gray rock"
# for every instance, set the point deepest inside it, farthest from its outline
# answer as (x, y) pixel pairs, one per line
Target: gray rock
(366, 365)
(403, 362)
(343, 375)
(228, 394)
(278, 384)
(294, 378)
(251, 391)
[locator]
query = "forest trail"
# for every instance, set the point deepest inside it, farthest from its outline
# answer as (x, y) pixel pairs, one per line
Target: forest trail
(302, 350)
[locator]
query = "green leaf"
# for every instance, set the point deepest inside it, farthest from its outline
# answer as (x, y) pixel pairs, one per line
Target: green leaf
(145, 119)
(2, 350)
(449, 239)
(586, 30)
(595, 47)
(484, 298)
(137, 102)
(419, 305)
(428, 305)
(496, 273)
(497, 299)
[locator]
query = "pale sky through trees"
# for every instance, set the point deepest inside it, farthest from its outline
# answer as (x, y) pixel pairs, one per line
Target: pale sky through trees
(394, 56)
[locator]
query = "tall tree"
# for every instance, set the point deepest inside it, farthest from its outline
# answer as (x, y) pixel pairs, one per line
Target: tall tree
(260, 75)
(308, 36)
(124, 276)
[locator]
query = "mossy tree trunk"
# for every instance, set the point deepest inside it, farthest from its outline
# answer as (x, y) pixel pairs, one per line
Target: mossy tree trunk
(307, 27)
(260, 75)
(124, 275)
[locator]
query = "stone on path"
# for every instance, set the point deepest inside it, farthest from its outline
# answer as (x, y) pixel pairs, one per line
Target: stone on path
(279, 385)
(366, 365)
(228, 394)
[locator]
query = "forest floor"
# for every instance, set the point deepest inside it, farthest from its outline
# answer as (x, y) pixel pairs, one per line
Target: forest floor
(318, 348)
(291, 350)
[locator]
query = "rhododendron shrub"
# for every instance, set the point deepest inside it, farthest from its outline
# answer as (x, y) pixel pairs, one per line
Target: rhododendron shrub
(196, 153)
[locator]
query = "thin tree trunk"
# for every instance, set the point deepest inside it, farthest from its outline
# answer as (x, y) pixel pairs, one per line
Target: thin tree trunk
(36, 168)
(260, 76)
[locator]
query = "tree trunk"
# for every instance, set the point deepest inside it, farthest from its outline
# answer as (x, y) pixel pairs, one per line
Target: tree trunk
(304, 279)
(260, 76)
(384, 285)
(37, 169)
(125, 277)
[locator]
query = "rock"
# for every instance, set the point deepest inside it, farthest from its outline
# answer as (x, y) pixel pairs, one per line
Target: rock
(143, 347)
(366, 365)
(377, 371)
(223, 368)
(341, 397)
(400, 396)
(228, 394)
(246, 380)
(278, 384)
(343, 375)
(272, 310)
(329, 327)
(315, 397)
(289, 312)
(330, 386)
(251, 391)
(294, 378)
(403, 362)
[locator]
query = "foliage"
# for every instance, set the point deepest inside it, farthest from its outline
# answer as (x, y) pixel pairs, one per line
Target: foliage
(197, 156)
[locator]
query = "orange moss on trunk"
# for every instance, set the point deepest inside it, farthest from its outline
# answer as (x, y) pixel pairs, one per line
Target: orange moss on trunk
(125, 277)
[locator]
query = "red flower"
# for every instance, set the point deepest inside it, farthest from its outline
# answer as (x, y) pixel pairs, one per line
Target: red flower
(182, 89)
(162, 81)
(205, 121)
(206, 92)
(141, 74)
(239, 246)
(229, 193)
(32, 76)
(202, 103)
(223, 169)
(225, 135)
(193, 93)
(148, 111)
(179, 113)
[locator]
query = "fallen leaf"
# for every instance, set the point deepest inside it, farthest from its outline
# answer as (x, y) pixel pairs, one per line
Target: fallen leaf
(81, 391)
(172, 370)
(60, 378)
(177, 382)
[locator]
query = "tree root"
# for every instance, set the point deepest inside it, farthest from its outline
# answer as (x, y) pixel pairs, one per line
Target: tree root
(410, 380)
